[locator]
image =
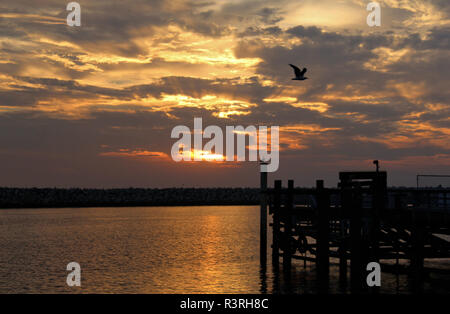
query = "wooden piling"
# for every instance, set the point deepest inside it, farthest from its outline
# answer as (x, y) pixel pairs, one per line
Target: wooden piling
(375, 221)
(323, 226)
(417, 251)
(356, 247)
(287, 218)
(345, 195)
(378, 208)
(276, 223)
(263, 218)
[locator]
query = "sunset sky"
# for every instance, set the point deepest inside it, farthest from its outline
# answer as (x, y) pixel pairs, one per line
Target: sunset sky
(94, 106)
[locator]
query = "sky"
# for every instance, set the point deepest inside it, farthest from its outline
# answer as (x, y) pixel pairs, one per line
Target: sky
(94, 106)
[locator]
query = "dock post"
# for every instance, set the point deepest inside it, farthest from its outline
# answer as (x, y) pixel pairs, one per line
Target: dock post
(342, 262)
(379, 202)
(346, 197)
(263, 216)
(276, 223)
(322, 258)
(287, 217)
(356, 247)
(417, 251)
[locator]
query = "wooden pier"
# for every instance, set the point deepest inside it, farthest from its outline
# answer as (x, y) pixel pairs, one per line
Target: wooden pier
(361, 221)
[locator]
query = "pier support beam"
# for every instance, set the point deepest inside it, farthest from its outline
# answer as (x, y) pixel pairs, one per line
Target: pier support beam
(263, 217)
(323, 247)
(276, 224)
(343, 263)
(287, 218)
(417, 251)
(356, 242)
(346, 197)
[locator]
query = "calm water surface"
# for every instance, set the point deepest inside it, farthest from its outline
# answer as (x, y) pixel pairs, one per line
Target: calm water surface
(206, 249)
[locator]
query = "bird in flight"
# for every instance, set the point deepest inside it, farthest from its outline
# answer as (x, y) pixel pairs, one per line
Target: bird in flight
(299, 74)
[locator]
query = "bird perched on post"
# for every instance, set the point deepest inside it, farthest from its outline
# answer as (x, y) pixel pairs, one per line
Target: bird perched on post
(299, 74)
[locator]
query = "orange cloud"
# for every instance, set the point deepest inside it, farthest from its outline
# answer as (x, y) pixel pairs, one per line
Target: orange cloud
(135, 153)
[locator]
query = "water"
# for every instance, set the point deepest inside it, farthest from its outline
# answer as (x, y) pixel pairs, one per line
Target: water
(206, 249)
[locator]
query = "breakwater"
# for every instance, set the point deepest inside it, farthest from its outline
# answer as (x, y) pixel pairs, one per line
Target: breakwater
(75, 197)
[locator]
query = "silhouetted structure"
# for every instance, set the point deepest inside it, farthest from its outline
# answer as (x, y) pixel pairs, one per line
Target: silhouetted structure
(362, 221)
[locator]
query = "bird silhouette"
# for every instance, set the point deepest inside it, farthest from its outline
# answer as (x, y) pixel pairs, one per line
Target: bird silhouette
(299, 74)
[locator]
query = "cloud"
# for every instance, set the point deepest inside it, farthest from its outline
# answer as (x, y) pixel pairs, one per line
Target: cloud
(77, 101)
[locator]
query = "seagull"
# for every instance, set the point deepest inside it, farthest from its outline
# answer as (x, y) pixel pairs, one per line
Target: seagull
(299, 73)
